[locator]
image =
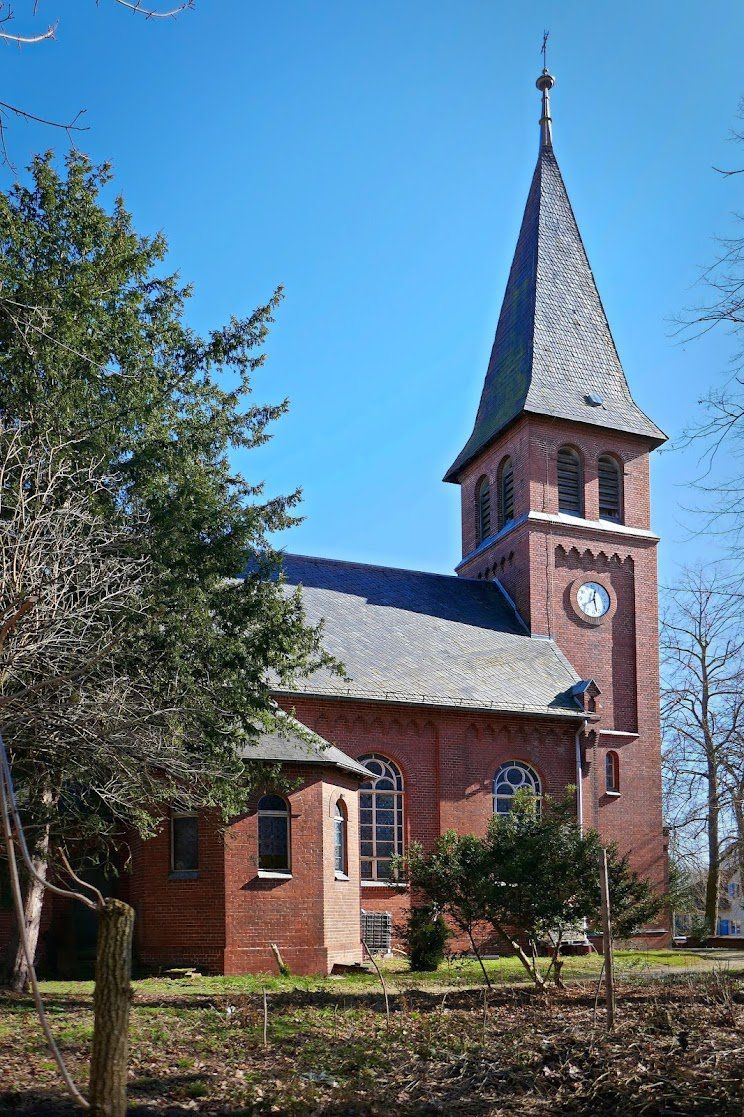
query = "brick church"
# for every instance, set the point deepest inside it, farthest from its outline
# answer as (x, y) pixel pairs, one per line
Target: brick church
(535, 666)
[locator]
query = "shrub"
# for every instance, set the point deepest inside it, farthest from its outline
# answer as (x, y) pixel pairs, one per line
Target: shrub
(426, 937)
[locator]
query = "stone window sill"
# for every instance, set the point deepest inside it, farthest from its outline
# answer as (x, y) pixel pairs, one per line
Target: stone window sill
(382, 884)
(269, 874)
(340, 876)
(183, 874)
(613, 794)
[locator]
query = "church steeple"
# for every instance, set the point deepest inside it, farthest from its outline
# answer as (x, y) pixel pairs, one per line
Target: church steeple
(553, 353)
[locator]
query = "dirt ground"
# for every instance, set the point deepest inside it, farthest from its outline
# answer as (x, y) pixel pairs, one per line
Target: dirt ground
(678, 1051)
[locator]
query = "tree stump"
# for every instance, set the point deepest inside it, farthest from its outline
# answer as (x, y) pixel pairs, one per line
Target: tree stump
(111, 1001)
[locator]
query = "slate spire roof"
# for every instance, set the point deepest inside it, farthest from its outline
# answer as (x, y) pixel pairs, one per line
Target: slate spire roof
(553, 347)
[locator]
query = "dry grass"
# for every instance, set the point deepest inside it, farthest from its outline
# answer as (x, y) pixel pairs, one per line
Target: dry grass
(678, 1051)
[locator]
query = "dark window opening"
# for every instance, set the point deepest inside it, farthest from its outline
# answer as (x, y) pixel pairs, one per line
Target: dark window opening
(506, 492)
(273, 834)
(483, 509)
(609, 489)
(184, 843)
(569, 482)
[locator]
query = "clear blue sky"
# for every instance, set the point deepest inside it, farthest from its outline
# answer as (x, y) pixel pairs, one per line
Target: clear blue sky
(375, 159)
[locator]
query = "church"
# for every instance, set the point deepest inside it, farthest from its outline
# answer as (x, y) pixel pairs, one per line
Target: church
(534, 665)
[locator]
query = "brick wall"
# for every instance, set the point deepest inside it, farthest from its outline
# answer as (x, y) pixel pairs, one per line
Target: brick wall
(448, 759)
(225, 918)
(538, 559)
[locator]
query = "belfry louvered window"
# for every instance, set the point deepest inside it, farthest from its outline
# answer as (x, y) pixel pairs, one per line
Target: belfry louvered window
(483, 509)
(609, 489)
(506, 492)
(570, 482)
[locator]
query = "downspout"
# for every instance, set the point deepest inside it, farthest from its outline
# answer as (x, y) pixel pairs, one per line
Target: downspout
(579, 774)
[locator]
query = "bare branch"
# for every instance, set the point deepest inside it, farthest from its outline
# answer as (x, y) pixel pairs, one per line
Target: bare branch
(151, 13)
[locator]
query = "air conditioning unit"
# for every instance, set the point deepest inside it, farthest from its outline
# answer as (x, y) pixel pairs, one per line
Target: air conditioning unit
(377, 931)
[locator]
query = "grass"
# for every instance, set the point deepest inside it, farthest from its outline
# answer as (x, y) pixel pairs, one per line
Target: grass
(459, 973)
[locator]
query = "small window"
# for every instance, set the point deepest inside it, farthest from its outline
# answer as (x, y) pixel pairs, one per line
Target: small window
(506, 492)
(612, 772)
(273, 834)
(184, 842)
(483, 509)
(510, 778)
(340, 862)
(609, 489)
(570, 482)
(380, 817)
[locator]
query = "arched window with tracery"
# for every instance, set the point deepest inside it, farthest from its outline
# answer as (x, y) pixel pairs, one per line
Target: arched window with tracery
(380, 817)
(570, 482)
(506, 492)
(482, 509)
(511, 777)
(610, 489)
(273, 834)
(612, 772)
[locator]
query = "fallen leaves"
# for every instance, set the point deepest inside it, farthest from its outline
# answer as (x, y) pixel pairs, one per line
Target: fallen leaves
(677, 1052)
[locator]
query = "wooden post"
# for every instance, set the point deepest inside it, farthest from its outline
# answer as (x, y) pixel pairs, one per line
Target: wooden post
(607, 942)
(111, 1001)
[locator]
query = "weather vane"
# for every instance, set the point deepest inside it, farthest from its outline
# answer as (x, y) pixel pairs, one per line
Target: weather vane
(544, 49)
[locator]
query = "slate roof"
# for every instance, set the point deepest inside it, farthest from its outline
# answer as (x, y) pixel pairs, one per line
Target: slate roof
(553, 345)
(429, 639)
(297, 744)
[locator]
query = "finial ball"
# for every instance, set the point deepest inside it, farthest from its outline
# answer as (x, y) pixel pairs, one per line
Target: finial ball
(545, 81)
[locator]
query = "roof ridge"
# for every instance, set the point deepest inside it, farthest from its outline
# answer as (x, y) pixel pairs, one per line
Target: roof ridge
(380, 566)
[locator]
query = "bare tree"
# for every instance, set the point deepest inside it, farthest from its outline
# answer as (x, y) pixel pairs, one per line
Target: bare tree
(721, 423)
(10, 33)
(78, 728)
(703, 718)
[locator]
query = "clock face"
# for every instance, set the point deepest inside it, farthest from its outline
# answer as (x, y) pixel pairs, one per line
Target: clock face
(593, 599)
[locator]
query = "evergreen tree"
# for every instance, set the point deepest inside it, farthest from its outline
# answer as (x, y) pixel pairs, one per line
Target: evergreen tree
(97, 359)
(533, 875)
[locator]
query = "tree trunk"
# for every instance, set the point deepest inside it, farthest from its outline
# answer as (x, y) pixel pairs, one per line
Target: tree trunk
(713, 878)
(477, 953)
(531, 967)
(111, 1000)
(32, 908)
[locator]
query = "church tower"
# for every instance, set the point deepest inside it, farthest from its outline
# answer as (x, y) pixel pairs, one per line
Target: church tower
(555, 503)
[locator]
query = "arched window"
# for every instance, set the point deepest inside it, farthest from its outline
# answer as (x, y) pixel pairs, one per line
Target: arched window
(610, 490)
(273, 834)
(570, 482)
(612, 772)
(483, 509)
(340, 861)
(506, 492)
(510, 778)
(380, 817)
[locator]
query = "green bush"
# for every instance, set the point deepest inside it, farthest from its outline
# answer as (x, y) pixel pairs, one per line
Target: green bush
(426, 937)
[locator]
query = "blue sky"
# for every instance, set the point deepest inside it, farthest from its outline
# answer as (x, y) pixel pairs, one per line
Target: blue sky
(375, 159)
